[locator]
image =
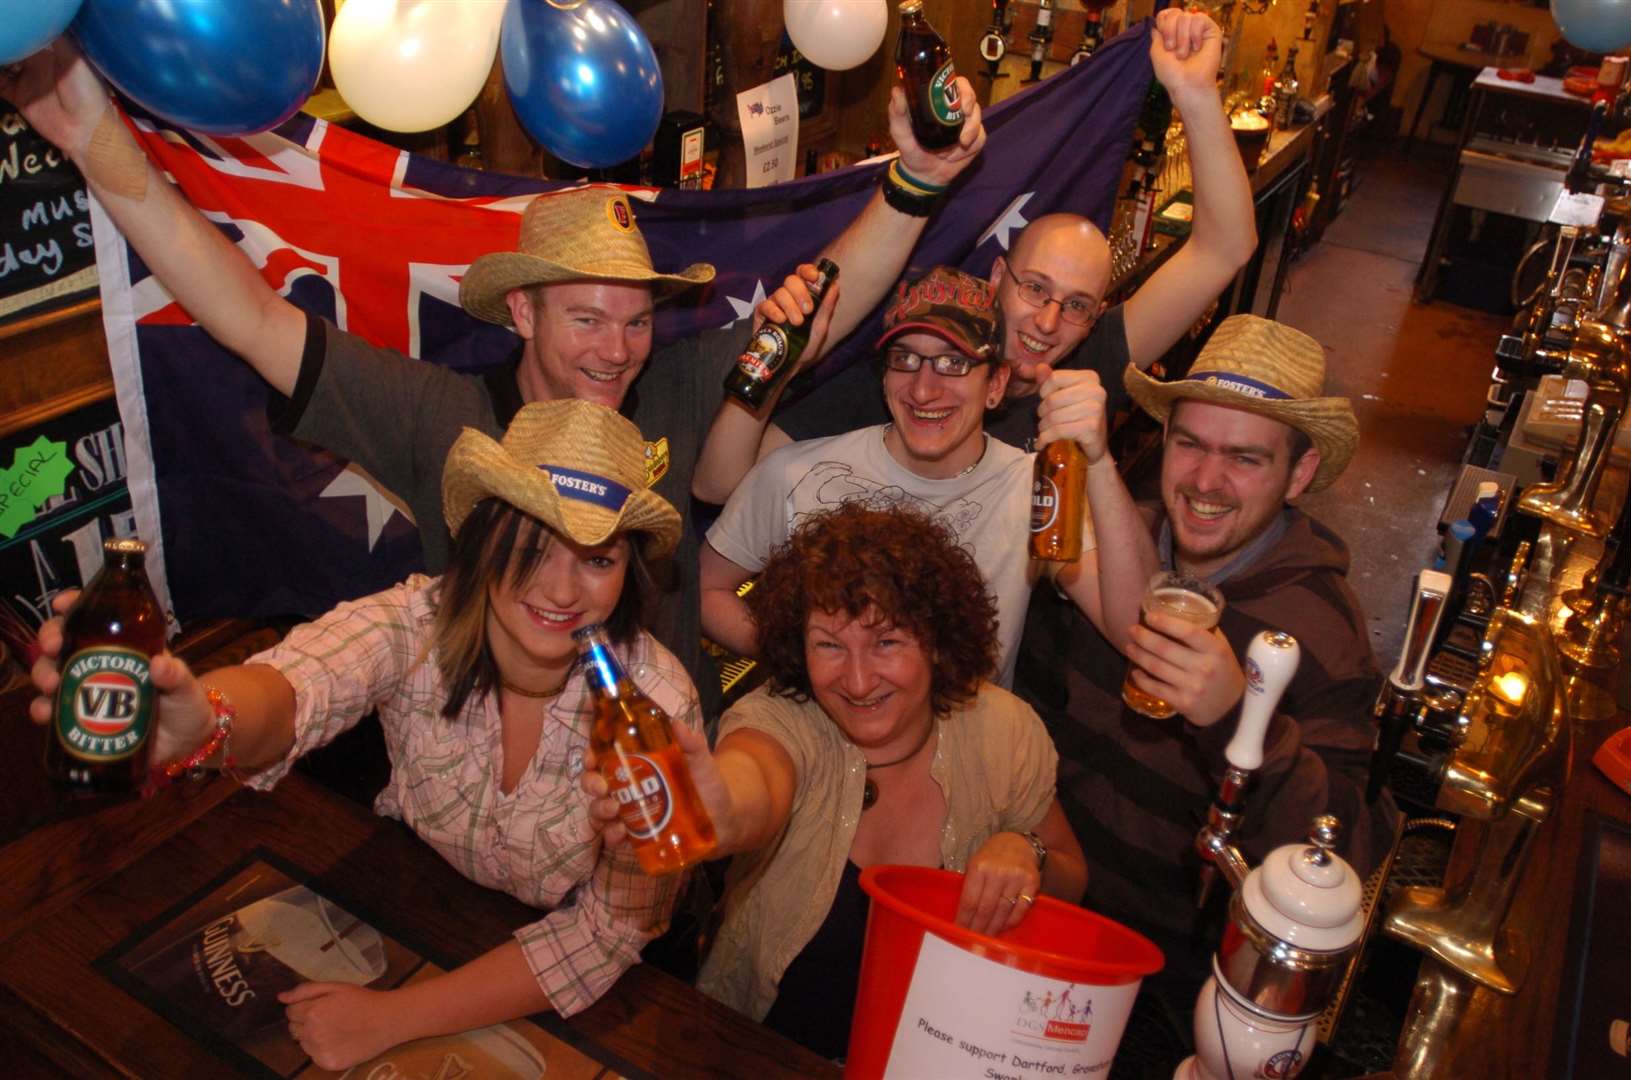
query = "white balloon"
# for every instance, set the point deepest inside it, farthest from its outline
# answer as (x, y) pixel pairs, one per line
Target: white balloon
(413, 65)
(836, 34)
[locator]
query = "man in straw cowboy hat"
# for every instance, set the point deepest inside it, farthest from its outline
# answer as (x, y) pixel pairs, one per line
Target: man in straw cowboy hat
(578, 292)
(1246, 432)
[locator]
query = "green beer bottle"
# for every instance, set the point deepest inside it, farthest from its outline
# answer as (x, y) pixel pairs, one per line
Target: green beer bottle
(773, 354)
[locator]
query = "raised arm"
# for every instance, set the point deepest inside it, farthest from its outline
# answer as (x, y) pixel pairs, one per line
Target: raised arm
(1107, 583)
(1185, 50)
(62, 99)
(870, 253)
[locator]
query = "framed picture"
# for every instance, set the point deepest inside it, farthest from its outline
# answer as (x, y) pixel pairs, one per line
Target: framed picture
(214, 964)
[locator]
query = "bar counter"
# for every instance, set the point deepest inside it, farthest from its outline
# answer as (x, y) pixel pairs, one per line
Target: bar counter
(77, 887)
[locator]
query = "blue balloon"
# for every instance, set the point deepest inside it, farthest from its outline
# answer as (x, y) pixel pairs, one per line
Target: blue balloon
(30, 27)
(1601, 26)
(584, 79)
(222, 67)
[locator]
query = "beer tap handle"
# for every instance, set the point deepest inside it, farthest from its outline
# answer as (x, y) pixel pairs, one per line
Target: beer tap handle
(1397, 704)
(1271, 661)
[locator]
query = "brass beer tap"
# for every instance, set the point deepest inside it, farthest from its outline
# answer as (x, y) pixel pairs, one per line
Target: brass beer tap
(1505, 771)
(1600, 356)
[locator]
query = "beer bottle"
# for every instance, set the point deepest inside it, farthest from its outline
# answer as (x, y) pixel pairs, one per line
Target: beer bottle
(773, 354)
(105, 706)
(643, 765)
(923, 63)
(1058, 484)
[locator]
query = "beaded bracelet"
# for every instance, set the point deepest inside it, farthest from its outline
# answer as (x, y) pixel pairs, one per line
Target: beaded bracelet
(220, 739)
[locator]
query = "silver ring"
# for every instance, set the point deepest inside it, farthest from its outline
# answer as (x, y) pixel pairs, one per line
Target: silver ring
(1012, 899)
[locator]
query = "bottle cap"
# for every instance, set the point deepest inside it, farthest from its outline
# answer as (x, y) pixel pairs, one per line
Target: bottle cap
(126, 545)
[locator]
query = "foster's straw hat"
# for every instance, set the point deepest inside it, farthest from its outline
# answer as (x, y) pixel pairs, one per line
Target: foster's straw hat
(1263, 367)
(576, 466)
(579, 234)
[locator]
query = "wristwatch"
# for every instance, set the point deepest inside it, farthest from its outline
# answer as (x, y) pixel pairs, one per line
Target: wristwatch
(1040, 848)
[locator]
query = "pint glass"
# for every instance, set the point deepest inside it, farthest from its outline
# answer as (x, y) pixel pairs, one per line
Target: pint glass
(1189, 598)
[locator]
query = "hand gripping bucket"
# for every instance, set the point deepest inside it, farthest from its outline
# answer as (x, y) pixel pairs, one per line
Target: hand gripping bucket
(1049, 998)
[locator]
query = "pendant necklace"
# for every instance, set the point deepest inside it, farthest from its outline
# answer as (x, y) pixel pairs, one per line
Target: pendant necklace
(869, 793)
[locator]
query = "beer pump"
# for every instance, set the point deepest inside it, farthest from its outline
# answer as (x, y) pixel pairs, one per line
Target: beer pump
(1399, 704)
(1599, 356)
(994, 42)
(1041, 37)
(1505, 771)
(1295, 921)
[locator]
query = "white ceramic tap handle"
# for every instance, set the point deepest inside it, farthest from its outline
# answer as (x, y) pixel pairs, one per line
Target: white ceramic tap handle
(1271, 660)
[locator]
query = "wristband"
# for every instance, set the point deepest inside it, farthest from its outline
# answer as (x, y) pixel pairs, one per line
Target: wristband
(906, 197)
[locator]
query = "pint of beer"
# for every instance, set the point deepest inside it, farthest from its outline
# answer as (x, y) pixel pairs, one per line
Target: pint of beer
(1189, 598)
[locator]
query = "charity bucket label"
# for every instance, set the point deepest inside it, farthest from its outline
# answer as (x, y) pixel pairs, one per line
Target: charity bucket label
(966, 1016)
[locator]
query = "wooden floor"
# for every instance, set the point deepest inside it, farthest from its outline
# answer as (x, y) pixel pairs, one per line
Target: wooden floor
(1416, 375)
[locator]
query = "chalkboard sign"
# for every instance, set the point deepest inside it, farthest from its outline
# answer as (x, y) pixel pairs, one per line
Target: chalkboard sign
(62, 492)
(47, 257)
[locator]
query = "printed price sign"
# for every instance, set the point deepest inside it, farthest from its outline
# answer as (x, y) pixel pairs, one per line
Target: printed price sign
(769, 114)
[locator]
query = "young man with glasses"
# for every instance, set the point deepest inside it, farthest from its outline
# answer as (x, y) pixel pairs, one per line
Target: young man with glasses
(939, 356)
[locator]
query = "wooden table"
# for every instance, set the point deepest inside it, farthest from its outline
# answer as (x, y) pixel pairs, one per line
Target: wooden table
(77, 887)
(1462, 65)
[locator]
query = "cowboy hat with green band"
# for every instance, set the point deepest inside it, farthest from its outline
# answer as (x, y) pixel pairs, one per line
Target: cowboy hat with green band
(581, 234)
(576, 466)
(1268, 368)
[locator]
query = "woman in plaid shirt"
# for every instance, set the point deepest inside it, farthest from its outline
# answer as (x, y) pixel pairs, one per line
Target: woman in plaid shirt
(486, 717)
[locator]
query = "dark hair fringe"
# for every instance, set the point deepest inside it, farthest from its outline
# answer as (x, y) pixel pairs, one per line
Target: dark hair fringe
(500, 543)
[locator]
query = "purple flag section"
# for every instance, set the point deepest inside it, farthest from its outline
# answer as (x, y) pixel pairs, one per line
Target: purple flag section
(249, 523)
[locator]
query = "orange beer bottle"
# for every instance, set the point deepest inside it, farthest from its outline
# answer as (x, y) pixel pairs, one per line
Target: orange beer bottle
(105, 706)
(1057, 489)
(923, 63)
(643, 765)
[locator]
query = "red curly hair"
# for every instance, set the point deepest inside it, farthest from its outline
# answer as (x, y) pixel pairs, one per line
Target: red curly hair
(894, 558)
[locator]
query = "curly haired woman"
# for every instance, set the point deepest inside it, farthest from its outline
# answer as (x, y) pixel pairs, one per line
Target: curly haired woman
(877, 740)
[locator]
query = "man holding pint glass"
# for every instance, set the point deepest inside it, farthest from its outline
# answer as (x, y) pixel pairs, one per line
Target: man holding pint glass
(1248, 431)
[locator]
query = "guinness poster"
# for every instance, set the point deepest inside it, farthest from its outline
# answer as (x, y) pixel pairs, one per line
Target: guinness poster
(214, 965)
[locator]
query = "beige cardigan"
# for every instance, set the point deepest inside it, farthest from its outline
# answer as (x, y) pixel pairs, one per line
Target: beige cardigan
(994, 763)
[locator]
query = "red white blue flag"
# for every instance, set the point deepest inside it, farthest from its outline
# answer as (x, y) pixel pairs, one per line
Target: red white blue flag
(376, 239)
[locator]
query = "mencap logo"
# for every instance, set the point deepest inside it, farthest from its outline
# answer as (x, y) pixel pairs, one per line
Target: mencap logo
(1057, 1018)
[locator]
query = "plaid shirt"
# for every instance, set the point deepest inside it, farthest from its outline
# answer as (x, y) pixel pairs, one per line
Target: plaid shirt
(536, 843)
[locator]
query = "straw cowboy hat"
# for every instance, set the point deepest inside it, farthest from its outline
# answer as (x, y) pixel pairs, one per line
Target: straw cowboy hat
(574, 235)
(576, 466)
(1263, 367)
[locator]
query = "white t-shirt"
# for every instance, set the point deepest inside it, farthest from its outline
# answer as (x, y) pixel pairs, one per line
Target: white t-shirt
(989, 509)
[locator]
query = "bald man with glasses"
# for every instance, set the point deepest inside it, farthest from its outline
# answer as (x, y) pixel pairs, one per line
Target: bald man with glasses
(938, 363)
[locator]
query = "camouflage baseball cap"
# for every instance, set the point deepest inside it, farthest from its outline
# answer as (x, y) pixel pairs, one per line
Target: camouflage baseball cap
(949, 304)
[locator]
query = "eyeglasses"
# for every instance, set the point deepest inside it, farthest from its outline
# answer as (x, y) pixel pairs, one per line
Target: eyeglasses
(953, 364)
(1074, 311)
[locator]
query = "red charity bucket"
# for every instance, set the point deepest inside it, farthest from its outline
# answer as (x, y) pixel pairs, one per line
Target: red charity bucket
(1048, 998)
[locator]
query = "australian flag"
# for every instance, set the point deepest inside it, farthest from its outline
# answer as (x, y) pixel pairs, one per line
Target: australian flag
(249, 523)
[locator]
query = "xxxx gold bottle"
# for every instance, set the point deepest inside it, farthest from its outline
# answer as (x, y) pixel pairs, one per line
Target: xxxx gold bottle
(105, 707)
(1058, 483)
(923, 63)
(643, 765)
